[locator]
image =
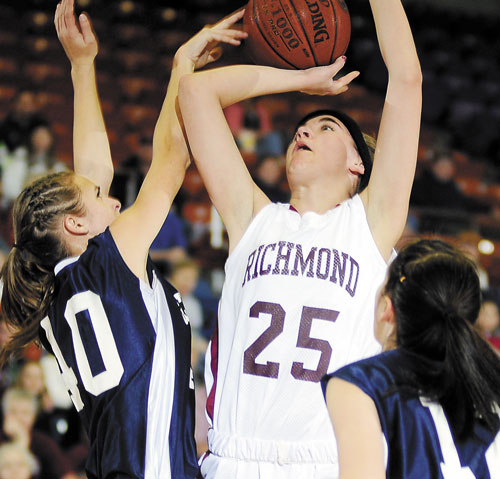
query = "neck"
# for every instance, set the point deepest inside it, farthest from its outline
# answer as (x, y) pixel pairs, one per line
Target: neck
(305, 199)
(78, 245)
(389, 344)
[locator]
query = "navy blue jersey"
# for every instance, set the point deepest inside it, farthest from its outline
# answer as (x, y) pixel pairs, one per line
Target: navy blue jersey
(124, 349)
(419, 440)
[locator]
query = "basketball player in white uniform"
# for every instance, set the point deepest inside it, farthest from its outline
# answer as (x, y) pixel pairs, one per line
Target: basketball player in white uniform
(300, 278)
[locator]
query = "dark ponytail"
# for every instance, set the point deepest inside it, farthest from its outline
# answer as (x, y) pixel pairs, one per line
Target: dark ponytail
(28, 272)
(436, 296)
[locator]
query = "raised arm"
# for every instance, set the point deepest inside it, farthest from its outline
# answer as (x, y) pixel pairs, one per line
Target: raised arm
(387, 196)
(91, 152)
(136, 228)
(203, 96)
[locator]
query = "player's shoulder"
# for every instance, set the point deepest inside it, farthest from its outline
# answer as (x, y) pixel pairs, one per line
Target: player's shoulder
(98, 261)
(375, 370)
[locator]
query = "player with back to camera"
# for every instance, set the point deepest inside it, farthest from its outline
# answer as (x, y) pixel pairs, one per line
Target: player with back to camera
(428, 406)
(118, 331)
(301, 279)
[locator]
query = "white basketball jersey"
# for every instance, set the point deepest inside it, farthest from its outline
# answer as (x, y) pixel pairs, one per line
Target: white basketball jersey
(298, 302)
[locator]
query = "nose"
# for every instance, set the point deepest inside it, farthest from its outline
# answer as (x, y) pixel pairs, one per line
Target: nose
(302, 132)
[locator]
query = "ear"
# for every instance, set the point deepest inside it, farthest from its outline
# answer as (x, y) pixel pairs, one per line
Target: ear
(387, 325)
(75, 225)
(388, 315)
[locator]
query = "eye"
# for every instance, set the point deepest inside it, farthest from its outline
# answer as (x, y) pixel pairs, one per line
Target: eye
(327, 127)
(98, 191)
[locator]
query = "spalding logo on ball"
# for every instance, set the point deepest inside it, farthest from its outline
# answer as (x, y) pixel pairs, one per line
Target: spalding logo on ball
(296, 33)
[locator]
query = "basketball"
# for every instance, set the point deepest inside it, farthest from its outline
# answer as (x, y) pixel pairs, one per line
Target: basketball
(296, 33)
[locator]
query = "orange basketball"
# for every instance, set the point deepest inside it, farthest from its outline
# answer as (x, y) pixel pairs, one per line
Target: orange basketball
(296, 33)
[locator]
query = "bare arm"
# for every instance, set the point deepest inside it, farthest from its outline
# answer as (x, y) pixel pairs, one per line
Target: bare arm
(91, 152)
(170, 151)
(387, 196)
(357, 430)
(203, 96)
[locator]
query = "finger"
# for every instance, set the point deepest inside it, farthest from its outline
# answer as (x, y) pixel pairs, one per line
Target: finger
(64, 15)
(231, 19)
(234, 33)
(346, 79)
(338, 64)
(56, 15)
(86, 27)
(64, 8)
(229, 36)
(70, 18)
(60, 17)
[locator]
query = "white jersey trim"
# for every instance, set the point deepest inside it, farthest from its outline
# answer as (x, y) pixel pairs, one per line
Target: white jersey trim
(162, 379)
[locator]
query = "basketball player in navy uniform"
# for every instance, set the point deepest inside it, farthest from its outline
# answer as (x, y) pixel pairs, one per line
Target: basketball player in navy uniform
(80, 276)
(427, 407)
(301, 279)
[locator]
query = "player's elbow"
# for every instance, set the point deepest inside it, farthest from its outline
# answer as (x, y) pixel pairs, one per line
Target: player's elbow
(410, 77)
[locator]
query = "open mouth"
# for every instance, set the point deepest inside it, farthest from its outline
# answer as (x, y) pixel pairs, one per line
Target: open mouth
(302, 146)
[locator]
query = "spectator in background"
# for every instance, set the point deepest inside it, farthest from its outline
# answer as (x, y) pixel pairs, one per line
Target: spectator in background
(14, 172)
(130, 174)
(4, 251)
(17, 462)
(32, 380)
(469, 241)
(488, 322)
(184, 277)
(19, 412)
(16, 128)
(62, 424)
(8, 373)
(171, 243)
(275, 141)
(42, 157)
(25, 164)
(249, 114)
(269, 175)
(436, 187)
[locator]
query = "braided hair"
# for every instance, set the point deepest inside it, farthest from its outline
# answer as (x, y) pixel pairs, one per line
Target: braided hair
(28, 273)
(436, 296)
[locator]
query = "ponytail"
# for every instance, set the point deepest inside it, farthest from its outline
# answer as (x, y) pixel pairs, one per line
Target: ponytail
(28, 272)
(435, 292)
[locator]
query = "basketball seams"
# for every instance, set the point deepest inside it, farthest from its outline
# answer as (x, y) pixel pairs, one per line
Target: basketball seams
(256, 19)
(306, 36)
(336, 31)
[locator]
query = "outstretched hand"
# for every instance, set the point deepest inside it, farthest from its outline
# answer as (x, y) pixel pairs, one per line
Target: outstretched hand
(320, 80)
(76, 37)
(204, 47)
